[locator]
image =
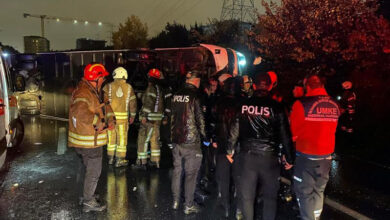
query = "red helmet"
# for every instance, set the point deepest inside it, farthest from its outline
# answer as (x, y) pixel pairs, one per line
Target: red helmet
(94, 71)
(274, 79)
(154, 73)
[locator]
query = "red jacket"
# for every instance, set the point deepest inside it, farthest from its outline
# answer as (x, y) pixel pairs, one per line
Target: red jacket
(313, 124)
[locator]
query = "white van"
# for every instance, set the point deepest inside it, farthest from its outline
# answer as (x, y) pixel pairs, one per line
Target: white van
(11, 126)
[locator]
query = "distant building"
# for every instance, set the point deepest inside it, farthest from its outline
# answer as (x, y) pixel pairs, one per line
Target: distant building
(89, 44)
(36, 44)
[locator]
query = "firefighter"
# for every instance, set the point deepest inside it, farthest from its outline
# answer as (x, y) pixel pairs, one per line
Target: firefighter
(124, 104)
(90, 116)
(151, 115)
(313, 125)
(260, 125)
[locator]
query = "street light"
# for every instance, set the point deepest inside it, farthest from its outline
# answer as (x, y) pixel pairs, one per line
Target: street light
(75, 22)
(100, 23)
(58, 20)
(86, 22)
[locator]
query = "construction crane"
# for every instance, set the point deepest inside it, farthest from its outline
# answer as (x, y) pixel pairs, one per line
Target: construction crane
(56, 18)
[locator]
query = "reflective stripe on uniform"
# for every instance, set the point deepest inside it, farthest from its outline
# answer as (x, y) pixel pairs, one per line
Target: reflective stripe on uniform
(155, 116)
(109, 93)
(81, 100)
(121, 135)
(142, 155)
(111, 147)
(128, 98)
(168, 95)
(155, 152)
(148, 139)
(121, 149)
(133, 97)
(87, 143)
(110, 114)
(120, 113)
(146, 110)
(133, 114)
(151, 94)
(87, 138)
(95, 119)
(121, 117)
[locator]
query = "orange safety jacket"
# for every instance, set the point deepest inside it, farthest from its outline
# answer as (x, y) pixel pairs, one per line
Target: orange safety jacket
(85, 114)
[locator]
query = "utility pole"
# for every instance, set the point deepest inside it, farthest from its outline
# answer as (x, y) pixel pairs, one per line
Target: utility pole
(241, 10)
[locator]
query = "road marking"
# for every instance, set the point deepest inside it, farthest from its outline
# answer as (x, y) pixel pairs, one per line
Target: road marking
(53, 118)
(335, 205)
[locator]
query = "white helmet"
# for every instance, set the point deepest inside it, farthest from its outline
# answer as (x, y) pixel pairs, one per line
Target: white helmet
(120, 73)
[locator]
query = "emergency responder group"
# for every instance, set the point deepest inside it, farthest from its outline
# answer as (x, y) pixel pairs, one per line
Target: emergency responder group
(247, 131)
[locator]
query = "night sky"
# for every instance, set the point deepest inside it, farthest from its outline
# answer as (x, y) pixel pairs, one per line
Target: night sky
(63, 35)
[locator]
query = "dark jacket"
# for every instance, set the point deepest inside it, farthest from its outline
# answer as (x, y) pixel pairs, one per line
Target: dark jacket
(187, 120)
(224, 112)
(261, 125)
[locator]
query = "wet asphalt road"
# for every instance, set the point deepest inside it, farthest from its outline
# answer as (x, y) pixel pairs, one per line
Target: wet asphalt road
(37, 183)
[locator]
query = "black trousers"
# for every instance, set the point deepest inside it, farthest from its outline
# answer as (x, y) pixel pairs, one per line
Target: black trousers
(223, 174)
(310, 179)
(92, 159)
(190, 159)
(262, 168)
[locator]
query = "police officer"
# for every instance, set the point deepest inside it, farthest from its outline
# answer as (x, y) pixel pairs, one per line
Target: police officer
(151, 115)
(124, 104)
(246, 87)
(188, 129)
(313, 125)
(261, 125)
(224, 111)
(347, 104)
(88, 123)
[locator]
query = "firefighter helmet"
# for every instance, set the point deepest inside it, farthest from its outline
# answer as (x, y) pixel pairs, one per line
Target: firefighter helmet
(155, 73)
(347, 84)
(120, 73)
(94, 71)
(274, 79)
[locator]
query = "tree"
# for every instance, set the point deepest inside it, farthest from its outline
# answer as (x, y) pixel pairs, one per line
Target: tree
(130, 35)
(328, 35)
(173, 35)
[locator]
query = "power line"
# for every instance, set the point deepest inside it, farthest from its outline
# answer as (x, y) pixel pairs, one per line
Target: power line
(175, 6)
(242, 10)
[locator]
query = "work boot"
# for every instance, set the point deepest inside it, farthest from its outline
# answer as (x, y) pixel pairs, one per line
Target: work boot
(192, 209)
(200, 196)
(239, 215)
(153, 164)
(110, 160)
(81, 199)
(121, 162)
(175, 205)
(139, 165)
(225, 208)
(93, 205)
